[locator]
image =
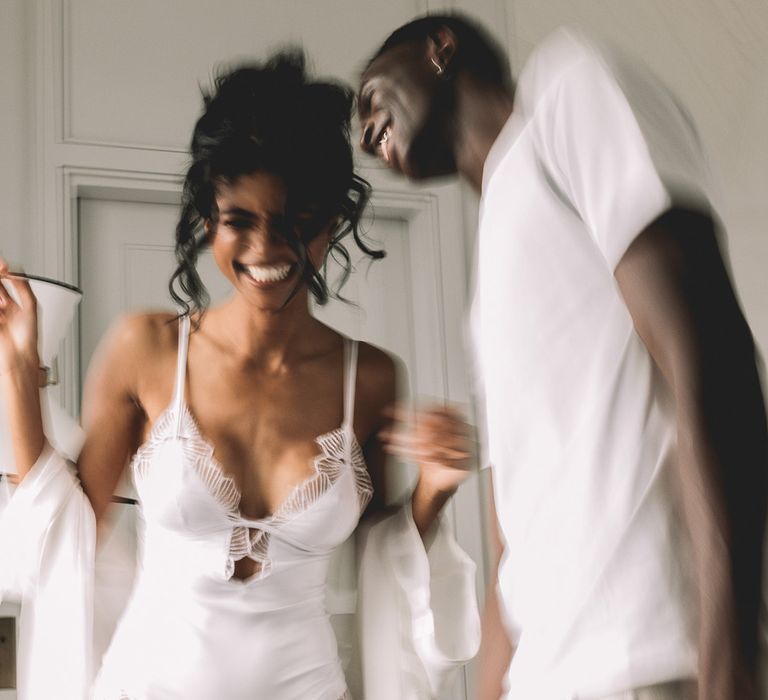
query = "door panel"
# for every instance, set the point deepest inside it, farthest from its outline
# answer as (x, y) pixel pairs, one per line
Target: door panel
(126, 260)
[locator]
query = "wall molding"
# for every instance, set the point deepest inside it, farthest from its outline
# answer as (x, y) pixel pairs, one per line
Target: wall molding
(61, 17)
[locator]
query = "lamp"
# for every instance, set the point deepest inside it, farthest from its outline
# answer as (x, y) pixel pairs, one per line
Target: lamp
(56, 304)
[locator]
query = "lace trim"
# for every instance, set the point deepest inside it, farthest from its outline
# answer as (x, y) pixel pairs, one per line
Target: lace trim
(248, 541)
(199, 452)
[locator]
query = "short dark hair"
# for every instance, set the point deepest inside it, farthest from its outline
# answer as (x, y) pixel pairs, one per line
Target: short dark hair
(477, 51)
(272, 117)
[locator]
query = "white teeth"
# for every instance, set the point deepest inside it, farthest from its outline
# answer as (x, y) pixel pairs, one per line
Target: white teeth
(383, 144)
(268, 273)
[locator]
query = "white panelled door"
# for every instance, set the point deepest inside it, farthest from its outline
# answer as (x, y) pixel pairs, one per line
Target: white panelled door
(126, 259)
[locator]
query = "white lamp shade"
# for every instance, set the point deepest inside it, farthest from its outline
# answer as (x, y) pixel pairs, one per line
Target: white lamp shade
(56, 305)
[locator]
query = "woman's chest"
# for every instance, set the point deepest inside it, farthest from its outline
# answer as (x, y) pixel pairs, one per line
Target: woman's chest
(186, 490)
(262, 431)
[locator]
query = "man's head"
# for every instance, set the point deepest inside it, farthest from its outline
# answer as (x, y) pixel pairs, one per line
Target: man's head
(408, 91)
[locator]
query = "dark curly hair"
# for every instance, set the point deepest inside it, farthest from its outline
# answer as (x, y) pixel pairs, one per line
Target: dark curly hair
(477, 51)
(272, 118)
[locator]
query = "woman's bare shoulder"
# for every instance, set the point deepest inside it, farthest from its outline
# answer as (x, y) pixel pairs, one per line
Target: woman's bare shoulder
(378, 374)
(134, 347)
(143, 333)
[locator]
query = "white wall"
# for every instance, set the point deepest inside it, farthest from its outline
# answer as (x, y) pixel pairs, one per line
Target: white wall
(16, 128)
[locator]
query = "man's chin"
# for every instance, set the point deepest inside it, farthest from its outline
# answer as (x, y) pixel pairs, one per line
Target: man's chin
(428, 171)
(427, 163)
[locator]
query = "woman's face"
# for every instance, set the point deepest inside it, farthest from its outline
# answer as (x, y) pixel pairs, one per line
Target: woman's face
(249, 242)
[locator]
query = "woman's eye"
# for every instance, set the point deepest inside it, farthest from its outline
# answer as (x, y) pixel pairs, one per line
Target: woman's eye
(238, 224)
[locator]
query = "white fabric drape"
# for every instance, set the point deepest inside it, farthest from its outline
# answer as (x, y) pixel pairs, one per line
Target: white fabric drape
(47, 545)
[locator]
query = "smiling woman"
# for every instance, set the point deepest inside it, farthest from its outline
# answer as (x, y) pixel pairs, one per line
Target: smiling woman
(303, 146)
(250, 241)
(256, 438)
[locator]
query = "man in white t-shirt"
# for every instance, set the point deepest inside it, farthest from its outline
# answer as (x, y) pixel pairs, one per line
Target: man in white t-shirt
(625, 421)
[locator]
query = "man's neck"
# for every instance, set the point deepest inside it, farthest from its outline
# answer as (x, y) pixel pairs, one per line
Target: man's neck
(482, 110)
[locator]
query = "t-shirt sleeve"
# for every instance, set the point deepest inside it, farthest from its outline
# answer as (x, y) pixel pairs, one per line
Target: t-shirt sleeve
(621, 149)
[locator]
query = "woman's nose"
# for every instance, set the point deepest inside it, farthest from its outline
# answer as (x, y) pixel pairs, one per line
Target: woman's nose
(266, 236)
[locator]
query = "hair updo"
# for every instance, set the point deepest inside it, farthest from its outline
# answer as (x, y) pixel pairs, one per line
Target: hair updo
(271, 118)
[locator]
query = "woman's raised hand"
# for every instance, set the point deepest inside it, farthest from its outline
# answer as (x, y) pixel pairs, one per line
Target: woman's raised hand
(438, 439)
(18, 324)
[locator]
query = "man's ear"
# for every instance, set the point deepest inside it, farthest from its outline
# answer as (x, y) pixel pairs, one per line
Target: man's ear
(441, 48)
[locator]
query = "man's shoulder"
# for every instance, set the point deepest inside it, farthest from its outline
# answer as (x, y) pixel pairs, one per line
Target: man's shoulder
(562, 46)
(551, 60)
(570, 57)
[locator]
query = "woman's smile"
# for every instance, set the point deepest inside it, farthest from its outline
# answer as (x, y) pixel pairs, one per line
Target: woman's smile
(266, 275)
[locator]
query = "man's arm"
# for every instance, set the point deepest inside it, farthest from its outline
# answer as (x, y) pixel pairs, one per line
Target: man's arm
(684, 308)
(495, 648)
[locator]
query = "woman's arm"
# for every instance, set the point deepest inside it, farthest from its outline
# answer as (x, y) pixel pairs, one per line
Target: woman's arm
(19, 370)
(112, 417)
(403, 585)
(379, 376)
(436, 439)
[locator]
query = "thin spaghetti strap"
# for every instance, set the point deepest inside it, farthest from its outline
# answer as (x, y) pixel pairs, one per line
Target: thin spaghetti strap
(181, 370)
(350, 379)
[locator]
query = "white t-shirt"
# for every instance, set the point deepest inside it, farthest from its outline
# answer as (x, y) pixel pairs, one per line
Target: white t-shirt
(579, 424)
